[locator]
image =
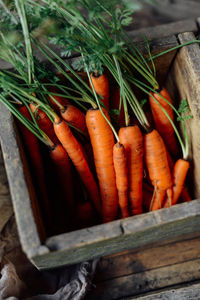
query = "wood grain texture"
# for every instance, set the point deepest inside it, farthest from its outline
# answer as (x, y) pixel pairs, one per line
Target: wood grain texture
(164, 30)
(188, 292)
(18, 186)
(138, 283)
(6, 209)
(120, 235)
(141, 260)
(183, 83)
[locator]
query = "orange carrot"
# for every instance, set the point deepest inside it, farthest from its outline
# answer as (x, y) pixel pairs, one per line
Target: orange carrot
(75, 117)
(132, 139)
(184, 193)
(44, 122)
(158, 167)
(180, 172)
(34, 154)
(185, 196)
(101, 86)
(65, 206)
(63, 167)
(74, 150)
(102, 141)
(162, 122)
(85, 214)
(121, 171)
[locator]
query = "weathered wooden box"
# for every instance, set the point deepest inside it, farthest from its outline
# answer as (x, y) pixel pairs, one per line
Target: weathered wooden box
(181, 69)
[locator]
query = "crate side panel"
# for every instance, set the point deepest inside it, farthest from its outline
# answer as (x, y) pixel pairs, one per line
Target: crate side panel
(18, 186)
(184, 83)
(136, 232)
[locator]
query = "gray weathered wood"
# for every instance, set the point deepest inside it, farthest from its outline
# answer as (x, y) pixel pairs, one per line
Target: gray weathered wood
(6, 209)
(121, 235)
(140, 260)
(18, 186)
(164, 30)
(189, 292)
(144, 282)
(184, 83)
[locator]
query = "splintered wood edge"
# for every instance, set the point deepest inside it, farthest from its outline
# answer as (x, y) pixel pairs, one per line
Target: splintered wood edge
(18, 187)
(120, 235)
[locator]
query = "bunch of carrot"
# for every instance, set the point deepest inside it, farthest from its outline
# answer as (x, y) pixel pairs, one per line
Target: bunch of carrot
(126, 167)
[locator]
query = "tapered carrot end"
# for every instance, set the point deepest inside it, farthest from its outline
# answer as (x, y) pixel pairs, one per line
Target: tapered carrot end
(57, 119)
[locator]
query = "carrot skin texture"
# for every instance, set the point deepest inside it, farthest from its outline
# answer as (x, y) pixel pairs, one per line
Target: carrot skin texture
(179, 174)
(32, 146)
(101, 86)
(74, 116)
(102, 141)
(132, 139)
(74, 150)
(44, 123)
(157, 164)
(162, 122)
(121, 171)
(158, 200)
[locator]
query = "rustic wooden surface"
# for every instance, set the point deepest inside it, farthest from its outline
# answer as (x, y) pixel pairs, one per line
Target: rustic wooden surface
(18, 186)
(134, 273)
(184, 83)
(189, 292)
(6, 209)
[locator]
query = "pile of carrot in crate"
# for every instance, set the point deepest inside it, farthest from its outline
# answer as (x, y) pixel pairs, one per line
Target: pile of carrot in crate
(111, 131)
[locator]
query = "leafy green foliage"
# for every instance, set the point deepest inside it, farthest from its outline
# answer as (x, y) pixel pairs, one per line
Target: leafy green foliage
(184, 111)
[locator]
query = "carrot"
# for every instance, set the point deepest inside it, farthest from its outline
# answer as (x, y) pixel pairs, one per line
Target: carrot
(184, 193)
(101, 86)
(32, 146)
(75, 152)
(65, 205)
(44, 122)
(162, 122)
(158, 167)
(85, 214)
(75, 117)
(179, 174)
(102, 141)
(132, 139)
(63, 166)
(121, 171)
(185, 196)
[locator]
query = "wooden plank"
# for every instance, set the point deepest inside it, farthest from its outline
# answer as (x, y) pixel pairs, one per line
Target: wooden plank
(183, 83)
(121, 235)
(189, 292)
(140, 261)
(147, 281)
(178, 9)
(164, 30)
(6, 209)
(18, 186)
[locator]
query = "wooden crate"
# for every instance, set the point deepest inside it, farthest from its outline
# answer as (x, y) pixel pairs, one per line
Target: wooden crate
(132, 233)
